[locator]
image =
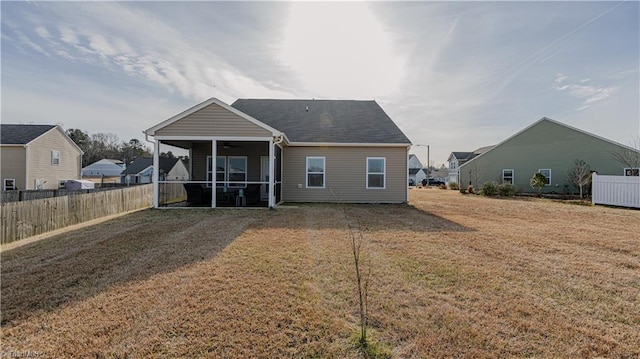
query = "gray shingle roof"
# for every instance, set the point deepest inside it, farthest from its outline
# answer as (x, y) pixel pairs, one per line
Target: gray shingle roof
(331, 121)
(140, 163)
(21, 134)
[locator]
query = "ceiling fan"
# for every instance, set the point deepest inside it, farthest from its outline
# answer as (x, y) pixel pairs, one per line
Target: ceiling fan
(228, 145)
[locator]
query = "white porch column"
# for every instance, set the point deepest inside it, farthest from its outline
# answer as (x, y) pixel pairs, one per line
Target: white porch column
(272, 187)
(214, 172)
(156, 171)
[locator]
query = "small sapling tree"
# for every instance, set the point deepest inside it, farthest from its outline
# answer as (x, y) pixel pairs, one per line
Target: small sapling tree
(362, 275)
(580, 175)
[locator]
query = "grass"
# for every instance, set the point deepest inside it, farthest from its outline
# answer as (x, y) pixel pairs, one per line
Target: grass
(452, 276)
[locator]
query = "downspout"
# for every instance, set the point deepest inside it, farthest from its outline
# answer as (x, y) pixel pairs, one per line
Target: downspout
(279, 140)
(26, 167)
(80, 165)
(406, 181)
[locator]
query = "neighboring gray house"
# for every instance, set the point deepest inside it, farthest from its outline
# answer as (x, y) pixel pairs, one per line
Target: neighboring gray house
(141, 170)
(416, 172)
(457, 159)
(548, 147)
(105, 170)
(37, 157)
(414, 161)
(416, 175)
(272, 151)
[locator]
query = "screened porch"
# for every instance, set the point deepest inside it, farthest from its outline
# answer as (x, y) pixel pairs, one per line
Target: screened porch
(223, 173)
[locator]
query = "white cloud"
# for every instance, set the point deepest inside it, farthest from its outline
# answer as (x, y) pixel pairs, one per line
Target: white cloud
(43, 32)
(101, 45)
(560, 78)
(587, 93)
(160, 54)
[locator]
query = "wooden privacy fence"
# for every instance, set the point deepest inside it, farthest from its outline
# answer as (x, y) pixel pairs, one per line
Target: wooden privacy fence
(623, 191)
(28, 218)
(172, 192)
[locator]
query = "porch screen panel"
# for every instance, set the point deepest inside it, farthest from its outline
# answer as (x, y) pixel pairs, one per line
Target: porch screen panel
(237, 171)
(221, 171)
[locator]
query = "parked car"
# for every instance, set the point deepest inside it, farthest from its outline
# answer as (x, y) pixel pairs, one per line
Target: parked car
(435, 182)
(412, 182)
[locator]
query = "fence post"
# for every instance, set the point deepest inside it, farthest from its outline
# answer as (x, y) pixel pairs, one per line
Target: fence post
(594, 179)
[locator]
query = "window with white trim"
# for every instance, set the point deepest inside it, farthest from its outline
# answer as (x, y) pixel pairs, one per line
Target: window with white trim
(237, 171)
(9, 184)
(632, 172)
(507, 176)
(547, 174)
(221, 171)
(228, 169)
(376, 172)
(315, 172)
(55, 158)
(209, 177)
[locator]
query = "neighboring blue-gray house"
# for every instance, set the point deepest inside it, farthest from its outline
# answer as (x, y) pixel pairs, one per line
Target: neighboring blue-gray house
(141, 170)
(105, 170)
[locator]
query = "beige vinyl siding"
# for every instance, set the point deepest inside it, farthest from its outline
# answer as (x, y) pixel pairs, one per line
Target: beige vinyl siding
(213, 120)
(13, 165)
(39, 159)
(546, 145)
(252, 150)
(345, 175)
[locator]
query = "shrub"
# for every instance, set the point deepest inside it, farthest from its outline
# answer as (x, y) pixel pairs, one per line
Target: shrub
(506, 190)
(454, 185)
(489, 189)
(470, 189)
(538, 181)
(442, 186)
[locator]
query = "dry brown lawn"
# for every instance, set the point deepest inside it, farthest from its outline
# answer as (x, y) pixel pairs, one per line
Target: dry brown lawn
(451, 276)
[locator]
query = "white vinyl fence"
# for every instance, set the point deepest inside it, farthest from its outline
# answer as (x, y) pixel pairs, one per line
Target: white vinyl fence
(623, 191)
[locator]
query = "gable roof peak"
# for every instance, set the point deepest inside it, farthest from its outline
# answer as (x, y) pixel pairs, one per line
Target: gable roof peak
(17, 134)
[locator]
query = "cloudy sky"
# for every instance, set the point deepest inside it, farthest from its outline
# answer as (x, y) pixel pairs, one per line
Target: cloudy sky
(453, 75)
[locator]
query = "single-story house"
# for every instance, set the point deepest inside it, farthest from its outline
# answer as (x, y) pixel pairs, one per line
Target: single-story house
(37, 157)
(104, 171)
(141, 170)
(272, 151)
(548, 147)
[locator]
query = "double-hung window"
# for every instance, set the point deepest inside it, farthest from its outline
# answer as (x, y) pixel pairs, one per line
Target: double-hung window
(507, 176)
(237, 171)
(315, 172)
(228, 169)
(376, 172)
(55, 158)
(547, 174)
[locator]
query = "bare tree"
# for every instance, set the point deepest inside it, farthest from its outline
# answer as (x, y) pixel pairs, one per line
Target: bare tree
(579, 175)
(629, 156)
